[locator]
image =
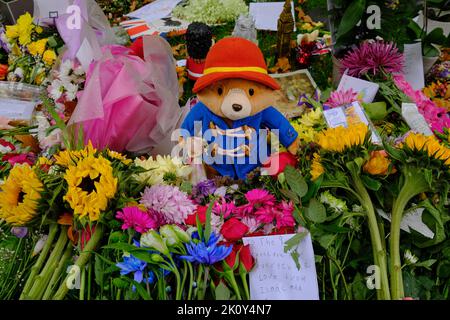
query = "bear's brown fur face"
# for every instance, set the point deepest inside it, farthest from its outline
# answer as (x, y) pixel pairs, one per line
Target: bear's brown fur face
(235, 99)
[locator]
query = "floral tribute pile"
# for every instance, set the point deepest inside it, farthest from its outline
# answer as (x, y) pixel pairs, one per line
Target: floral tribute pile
(78, 222)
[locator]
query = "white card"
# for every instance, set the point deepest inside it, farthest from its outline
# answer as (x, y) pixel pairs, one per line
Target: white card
(275, 275)
(413, 68)
(366, 89)
(415, 120)
(155, 10)
(266, 14)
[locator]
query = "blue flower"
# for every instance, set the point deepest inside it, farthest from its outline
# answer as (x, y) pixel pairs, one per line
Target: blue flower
(206, 253)
(132, 264)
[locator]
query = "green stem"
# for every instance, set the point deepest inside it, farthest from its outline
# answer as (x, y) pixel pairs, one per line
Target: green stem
(414, 184)
(178, 277)
(82, 260)
(56, 275)
(191, 280)
(89, 281)
(83, 283)
(185, 273)
(232, 281)
(199, 277)
(379, 254)
(245, 284)
(43, 255)
(42, 280)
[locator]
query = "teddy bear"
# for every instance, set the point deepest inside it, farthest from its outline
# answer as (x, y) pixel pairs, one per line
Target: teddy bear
(234, 114)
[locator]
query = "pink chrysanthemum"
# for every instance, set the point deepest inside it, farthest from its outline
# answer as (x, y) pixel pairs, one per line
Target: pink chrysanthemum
(170, 201)
(223, 208)
(135, 218)
(340, 98)
(372, 58)
(281, 214)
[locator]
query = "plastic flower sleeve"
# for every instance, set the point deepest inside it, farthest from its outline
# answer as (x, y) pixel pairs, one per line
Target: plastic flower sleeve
(129, 104)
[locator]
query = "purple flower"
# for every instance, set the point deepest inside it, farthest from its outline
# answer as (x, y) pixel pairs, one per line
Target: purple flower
(372, 58)
(205, 188)
(19, 232)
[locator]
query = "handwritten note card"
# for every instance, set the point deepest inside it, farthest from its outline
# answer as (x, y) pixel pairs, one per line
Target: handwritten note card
(275, 275)
(413, 66)
(366, 89)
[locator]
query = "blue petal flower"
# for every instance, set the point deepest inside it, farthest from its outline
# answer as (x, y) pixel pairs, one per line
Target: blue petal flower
(206, 253)
(132, 264)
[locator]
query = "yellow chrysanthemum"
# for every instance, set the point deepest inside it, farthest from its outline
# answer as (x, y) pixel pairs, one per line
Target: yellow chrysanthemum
(306, 123)
(90, 185)
(69, 157)
(340, 138)
(25, 27)
(316, 167)
(428, 144)
(20, 195)
(42, 161)
(12, 32)
(119, 156)
(49, 57)
(37, 47)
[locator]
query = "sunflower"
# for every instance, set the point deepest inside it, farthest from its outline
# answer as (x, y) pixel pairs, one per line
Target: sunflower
(340, 138)
(20, 195)
(71, 157)
(417, 142)
(90, 185)
(316, 167)
(119, 156)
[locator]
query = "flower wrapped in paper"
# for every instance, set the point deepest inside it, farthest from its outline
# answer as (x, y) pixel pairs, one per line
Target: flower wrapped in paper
(129, 103)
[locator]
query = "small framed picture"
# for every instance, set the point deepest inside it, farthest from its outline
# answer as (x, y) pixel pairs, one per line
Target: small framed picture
(293, 85)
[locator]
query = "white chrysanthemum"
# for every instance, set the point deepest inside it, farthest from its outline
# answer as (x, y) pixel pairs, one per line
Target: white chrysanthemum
(410, 258)
(65, 68)
(157, 168)
(56, 89)
(71, 91)
(338, 205)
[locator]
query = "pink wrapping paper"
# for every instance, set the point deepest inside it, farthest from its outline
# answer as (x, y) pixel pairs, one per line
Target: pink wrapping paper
(130, 104)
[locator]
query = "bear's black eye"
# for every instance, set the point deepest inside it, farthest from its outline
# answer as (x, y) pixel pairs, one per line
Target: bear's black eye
(219, 91)
(251, 92)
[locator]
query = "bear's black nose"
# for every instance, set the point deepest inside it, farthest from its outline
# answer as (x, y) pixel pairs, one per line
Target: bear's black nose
(237, 107)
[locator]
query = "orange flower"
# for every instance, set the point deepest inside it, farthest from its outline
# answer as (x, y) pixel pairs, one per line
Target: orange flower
(66, 219)
(378, 163)
(3, 71)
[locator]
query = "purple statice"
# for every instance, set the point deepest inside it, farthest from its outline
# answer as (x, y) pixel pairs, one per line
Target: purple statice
(172, 203)
(203, 190)
(371, 58)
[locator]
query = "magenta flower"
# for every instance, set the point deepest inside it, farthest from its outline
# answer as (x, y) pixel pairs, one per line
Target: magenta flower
(372, 58)
(135, 218)
(256, 198)
(22, 158)
(281, 214)
(223, 208)
(340, 98)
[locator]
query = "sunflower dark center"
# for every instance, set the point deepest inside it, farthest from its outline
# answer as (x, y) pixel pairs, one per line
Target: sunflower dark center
(88, 184)
(20, 196)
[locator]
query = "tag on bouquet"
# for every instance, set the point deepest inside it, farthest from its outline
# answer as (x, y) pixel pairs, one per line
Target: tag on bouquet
(366, 90)
(414, 119)
(17, 110)
(350, 114)
(275, 275)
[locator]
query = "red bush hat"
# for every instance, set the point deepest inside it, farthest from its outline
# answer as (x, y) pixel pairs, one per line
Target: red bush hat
(235, 58)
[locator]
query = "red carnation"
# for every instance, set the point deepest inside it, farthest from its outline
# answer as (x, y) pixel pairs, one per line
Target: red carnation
(191, 219)
(233, 230)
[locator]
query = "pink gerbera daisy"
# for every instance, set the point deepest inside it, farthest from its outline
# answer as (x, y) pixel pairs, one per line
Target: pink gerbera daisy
(256, 198)
(341, 98)
(281, 214)
(135, 218)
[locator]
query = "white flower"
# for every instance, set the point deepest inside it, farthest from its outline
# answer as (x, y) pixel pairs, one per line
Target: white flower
(39, 245)
(156, 169)
(410, 258)
(65, 68)
(71, 91)
(153, 240)
(56, 89)
(19, 72)
(337, 205)
(78, 71)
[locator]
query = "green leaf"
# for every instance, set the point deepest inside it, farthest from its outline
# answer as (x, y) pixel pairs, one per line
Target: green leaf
(296, 181)
(443, 270)
(435, 37)
(294, 241)
(121, 246)
(426, 264)
(208, 221)
(98, 271)
(316, 211)
(428, 174)
(186, 187)
(376, 110)
(371, 183)
(52, 42)
(295, 257)
(142, 292)
(222, 292)
(117, 236)
(351, 16)
(290, 195)
(326, 240)
(120, 283)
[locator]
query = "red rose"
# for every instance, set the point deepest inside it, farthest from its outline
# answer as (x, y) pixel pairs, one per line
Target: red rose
(233, 256)
(191, 219)
(246, 259)
(233, 230)
(3, 71)
(277, 163)
(85, 235)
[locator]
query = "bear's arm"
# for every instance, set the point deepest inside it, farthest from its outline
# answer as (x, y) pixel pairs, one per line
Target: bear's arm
(196, 114)
(274, 119)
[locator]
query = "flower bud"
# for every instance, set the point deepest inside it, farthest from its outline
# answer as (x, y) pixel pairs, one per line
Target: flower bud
(152, 239)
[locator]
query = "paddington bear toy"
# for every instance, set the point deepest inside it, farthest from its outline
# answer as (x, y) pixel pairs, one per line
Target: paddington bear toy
(234, 112)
